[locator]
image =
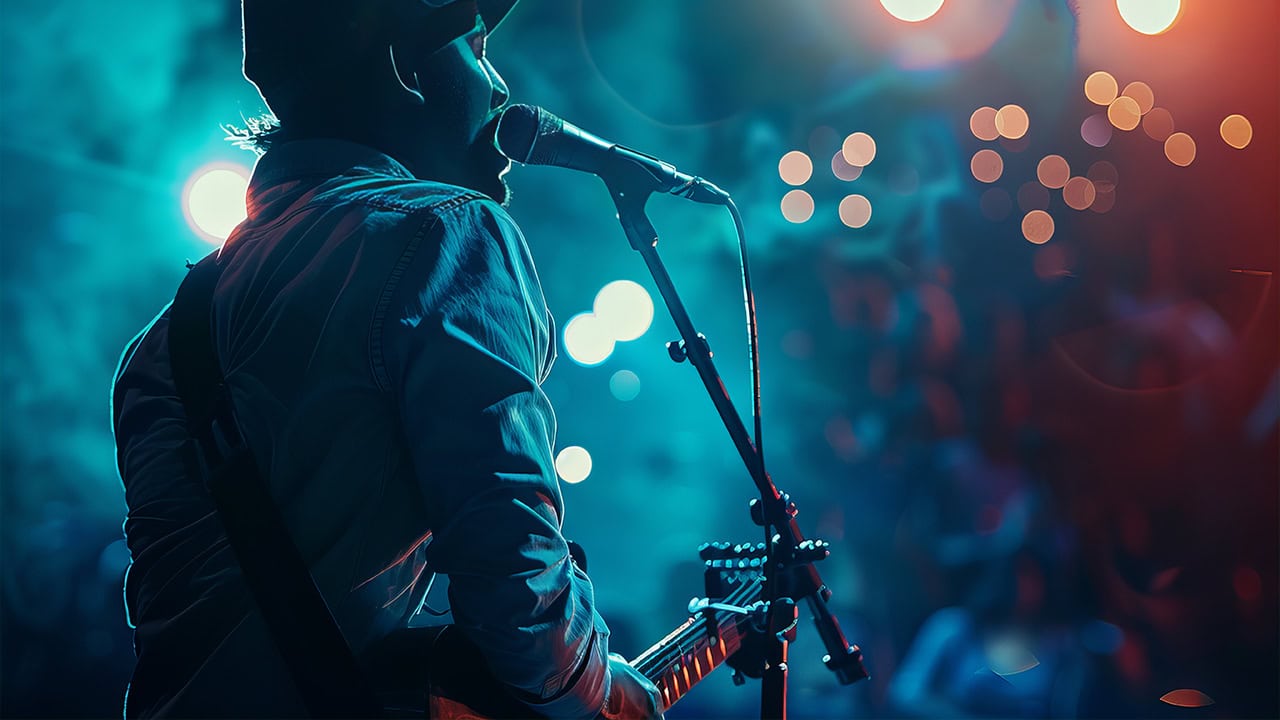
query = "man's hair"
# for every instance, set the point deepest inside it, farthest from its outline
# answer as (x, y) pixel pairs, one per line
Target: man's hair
(257, 135)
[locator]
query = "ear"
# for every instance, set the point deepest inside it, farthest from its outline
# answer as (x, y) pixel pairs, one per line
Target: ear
(406, 77)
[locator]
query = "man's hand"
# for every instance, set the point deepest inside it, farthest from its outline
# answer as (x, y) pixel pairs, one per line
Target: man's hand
(631, 695)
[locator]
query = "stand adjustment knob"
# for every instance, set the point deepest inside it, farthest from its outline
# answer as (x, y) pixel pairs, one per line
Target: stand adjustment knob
(848, 669)
(679, 353)
(786, 507)
(812, 551)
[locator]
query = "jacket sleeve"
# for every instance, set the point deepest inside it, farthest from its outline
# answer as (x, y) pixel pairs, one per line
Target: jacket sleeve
(465, 345)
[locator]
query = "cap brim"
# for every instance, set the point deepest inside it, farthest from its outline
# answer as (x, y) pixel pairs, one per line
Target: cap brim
(493, 11)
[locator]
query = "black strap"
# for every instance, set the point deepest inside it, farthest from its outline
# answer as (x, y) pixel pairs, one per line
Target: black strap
(328, 678)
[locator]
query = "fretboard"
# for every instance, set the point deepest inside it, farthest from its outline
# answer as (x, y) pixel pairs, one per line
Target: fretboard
(690, 652)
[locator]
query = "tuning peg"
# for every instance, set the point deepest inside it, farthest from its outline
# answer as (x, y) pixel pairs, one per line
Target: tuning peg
(812, 551)
(714, 550)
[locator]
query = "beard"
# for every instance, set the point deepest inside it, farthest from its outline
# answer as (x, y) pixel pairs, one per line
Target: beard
(494, 184)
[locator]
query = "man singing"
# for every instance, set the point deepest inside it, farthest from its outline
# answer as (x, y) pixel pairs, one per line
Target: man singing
(383, 336)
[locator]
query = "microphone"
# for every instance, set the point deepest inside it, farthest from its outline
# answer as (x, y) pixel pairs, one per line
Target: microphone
(533, 136)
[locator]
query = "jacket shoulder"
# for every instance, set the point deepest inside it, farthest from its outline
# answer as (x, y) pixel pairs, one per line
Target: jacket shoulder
(405, 195)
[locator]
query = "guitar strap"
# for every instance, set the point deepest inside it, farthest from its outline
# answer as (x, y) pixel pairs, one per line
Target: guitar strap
(320, 662)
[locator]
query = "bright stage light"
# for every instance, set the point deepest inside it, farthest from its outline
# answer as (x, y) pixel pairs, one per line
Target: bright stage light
(214, 201)
(795, 168)
(1149, 17)
(912, 10)
(982, 123)
(1236, 131)
(1180, 149)
(1053, 171)
(1101, 88)
(1158, 124)
(587, 339)
(1037, 227)
(986, 165)
(573, 464)
(859, 149)
(624, 309)
(1012, 122)
(855, 211)
(797, 206)
(1079, 193)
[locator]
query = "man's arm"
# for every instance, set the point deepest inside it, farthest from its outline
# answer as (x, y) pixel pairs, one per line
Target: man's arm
(462, 360)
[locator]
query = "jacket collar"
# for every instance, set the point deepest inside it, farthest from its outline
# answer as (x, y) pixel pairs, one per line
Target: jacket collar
(317, 158)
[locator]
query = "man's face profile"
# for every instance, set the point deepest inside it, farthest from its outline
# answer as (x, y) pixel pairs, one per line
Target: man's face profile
(462, 95)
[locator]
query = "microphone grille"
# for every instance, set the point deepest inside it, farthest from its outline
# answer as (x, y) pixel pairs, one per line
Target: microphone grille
(519, 129)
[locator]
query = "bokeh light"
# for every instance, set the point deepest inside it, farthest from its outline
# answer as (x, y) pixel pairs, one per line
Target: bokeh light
(573, 464)
(912, 10)
(982, 123)
(1012, 121)
(1104, 176)
(214, 201)
(795, 168)
(859, 149)
(1123, 113)
(855, 211)
(1149, 17)
(1103, 202)
(1180, 149)
(1141, 94)
(1053, 171)
(842, 169)
(1247, 584)
(625, 385)
(1037, 227)
(1032, 196)
(625, 309)
(1051, 262)
(995, 204)
(797, 206)
(1096, 130)
(1186, 697)
(1101, 88)
(1079, 193)
(1158, 124)
(588, 340)
(1236, 131)
(986, 165)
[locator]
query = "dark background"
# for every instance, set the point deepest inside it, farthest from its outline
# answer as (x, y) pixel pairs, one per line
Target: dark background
(1061, 453)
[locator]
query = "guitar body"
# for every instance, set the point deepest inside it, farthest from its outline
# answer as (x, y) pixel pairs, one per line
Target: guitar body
(457, 681)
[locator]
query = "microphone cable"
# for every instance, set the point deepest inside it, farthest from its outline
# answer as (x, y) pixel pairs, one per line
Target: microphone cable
(753, 332)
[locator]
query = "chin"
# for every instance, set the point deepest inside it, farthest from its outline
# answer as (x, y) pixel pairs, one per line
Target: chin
(497, 190)
(490, 169)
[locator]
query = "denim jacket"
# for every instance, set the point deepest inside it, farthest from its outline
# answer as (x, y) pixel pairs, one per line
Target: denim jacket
(384, 340)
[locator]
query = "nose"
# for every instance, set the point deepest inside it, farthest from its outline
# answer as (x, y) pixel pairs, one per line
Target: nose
(501, 94)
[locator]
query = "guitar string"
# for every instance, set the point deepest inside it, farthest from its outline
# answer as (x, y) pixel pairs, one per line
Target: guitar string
(675, 650)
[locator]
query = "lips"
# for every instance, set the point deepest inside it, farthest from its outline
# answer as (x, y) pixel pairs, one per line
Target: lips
(486, 139)
(488, 132)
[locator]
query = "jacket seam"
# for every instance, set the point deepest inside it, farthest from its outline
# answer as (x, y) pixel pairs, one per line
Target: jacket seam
(377, 360)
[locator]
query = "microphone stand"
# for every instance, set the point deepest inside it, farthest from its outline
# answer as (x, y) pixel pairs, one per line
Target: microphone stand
(790, 575)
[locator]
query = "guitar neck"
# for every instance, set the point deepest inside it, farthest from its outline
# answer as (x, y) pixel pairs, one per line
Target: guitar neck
(690, 652)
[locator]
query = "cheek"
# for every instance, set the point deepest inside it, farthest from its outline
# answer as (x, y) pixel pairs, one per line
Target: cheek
(459, 92)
